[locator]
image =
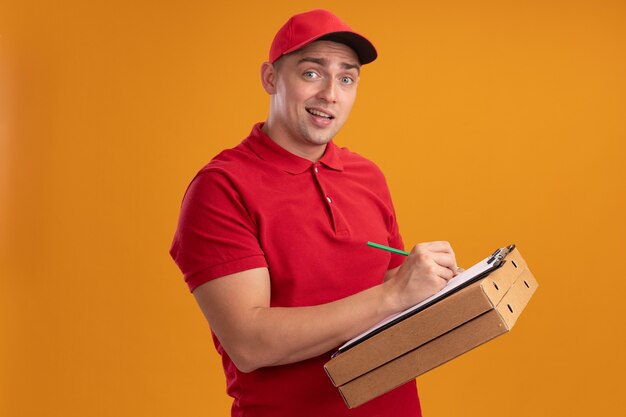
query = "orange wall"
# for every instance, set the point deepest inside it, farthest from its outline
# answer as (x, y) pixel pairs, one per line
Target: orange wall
(495, 122)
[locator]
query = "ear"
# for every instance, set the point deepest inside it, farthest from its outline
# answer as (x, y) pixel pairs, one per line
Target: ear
(268, 77)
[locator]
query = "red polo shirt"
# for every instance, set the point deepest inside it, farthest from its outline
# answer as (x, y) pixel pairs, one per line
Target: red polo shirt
(257, 205)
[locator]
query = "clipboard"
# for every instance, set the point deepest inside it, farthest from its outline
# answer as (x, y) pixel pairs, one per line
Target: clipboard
(473, 274)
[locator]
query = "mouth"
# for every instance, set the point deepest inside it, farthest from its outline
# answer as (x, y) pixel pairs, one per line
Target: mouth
(319, 113)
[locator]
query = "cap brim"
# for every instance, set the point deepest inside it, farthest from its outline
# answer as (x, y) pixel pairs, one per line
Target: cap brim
(360, 44)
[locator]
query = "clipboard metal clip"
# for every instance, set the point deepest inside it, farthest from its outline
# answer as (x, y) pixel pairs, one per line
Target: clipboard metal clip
(499, 255)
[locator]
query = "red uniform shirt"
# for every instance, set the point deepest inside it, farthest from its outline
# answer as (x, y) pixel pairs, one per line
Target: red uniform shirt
(257, 205)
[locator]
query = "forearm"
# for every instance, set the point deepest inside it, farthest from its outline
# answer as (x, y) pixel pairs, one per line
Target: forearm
(255, 335)
(284, 335)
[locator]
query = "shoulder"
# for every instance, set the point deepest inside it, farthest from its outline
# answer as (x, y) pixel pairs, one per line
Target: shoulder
(218, 179)
(230, 160)
(230, 165)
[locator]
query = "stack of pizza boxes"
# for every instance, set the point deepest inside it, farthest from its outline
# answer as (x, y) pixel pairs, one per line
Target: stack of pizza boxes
(446, 329)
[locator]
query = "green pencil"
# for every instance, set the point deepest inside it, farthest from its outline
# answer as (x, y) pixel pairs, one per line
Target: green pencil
(387, 248)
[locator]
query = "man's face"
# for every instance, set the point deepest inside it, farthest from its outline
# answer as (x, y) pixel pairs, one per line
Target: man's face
(315, 88)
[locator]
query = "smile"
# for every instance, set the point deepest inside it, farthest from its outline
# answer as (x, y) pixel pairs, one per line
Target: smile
(319, 113)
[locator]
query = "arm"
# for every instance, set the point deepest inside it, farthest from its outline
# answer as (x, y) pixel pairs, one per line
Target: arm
(255, 335)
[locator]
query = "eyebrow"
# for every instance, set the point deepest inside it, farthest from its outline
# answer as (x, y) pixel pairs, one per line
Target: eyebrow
(324, 62)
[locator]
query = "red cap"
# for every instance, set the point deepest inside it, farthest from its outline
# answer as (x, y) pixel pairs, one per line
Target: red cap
(304, 28)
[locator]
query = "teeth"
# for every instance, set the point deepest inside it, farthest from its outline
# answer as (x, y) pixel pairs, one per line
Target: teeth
(319, 113)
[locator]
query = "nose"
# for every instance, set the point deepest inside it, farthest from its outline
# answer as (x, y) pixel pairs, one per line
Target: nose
(328, 91)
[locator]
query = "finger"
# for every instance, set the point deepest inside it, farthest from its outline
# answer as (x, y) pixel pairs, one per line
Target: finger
(438, 252)
(444, 273)
(446, 260)
(439, 246)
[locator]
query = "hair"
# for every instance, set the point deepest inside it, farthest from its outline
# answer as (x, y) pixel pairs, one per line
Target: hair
(278, 63)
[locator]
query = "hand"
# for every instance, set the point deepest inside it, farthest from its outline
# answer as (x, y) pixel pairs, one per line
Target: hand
(427, 269)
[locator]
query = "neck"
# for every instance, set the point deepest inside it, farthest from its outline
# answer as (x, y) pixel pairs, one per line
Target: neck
(311, 152)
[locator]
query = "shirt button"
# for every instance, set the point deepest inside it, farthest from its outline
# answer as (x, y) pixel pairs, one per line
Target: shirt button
(329, 200)
(315, 169)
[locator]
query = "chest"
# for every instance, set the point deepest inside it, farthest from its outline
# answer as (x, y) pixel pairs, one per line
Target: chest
(313, 228)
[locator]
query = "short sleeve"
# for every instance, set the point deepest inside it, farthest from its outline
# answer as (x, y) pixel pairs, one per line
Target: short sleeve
(394, 236)
(216, 235)
(395, 241)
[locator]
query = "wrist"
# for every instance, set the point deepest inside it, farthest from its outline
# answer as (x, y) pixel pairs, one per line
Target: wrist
(390, 299)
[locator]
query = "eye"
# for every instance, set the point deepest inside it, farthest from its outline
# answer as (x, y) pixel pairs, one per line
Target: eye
(310, 75)
(346, 80)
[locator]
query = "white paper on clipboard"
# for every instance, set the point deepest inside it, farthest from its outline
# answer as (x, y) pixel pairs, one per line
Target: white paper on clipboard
(476, 271)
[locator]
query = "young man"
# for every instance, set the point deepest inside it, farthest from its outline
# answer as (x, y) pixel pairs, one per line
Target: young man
(272, 236)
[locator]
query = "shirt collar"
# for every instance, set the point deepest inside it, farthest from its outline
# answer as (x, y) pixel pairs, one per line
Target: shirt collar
(270, 151)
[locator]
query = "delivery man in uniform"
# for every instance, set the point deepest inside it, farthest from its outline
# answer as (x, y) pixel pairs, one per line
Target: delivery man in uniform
(272, 236)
